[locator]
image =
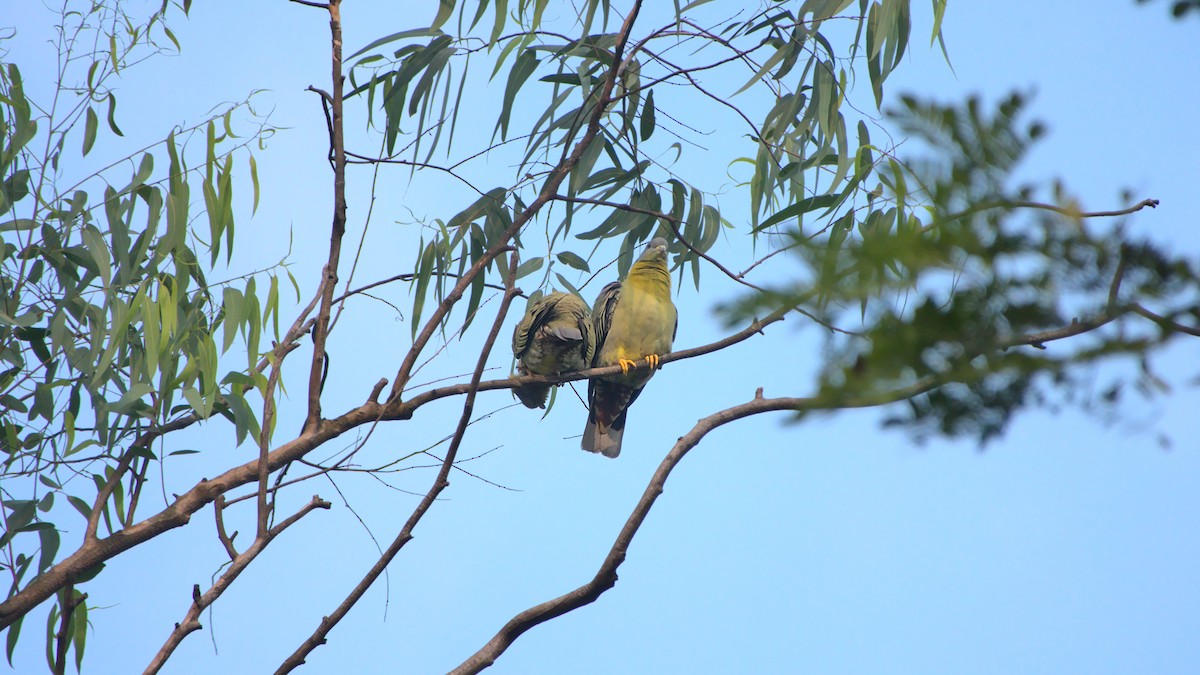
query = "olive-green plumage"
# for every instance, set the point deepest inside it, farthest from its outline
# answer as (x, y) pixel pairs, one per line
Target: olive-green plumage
(555, 336)
(633, 320)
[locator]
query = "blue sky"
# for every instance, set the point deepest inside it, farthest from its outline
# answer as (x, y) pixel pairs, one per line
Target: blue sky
(829, 546)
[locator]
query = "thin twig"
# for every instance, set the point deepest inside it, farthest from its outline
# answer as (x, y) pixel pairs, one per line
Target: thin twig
(191, 620)
(226, 540)
(297, 658)
(1007, 204)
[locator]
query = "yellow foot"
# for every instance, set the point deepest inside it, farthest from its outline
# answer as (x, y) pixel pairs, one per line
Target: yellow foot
(626, 364)
(652, 360)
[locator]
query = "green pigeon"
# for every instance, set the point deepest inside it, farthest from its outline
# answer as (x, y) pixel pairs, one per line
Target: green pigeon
(633, 320)
(555, 336)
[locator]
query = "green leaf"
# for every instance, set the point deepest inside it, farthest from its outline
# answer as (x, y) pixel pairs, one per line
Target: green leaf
(567, 284)
(244, 419)
(145, 168)
(573, 260)
(233, 304)
(526, 63)
(135, 394)
(112, 115)
(445, 9)
(80, 624)
(423, 273)
(647, 119)
(583, 168)
(402, 35)
(91, 122)
(196, 401)
(98, 250)
(18, 225)
(10, 643)
(758, 76)
(81, 506)
(271, 309)
(49, 540)
(571, 79)
(22, 512)
(254, 182)
(529, 267)
(801, 207)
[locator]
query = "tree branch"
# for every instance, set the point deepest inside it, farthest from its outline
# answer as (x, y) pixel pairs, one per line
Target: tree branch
(1165, 322)
(297, 658)
(405, 409)
(179, 512)
(97, 551)
(226, 540)
(1007, 204)
(338, 228)
(606, 577)
(191, 620)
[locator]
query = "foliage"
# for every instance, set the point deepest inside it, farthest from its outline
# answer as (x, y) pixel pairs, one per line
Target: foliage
(948, 273)
(792, 80)
(110, 332)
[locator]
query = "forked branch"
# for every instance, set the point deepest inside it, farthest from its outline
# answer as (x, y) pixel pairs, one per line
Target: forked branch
(200, 601)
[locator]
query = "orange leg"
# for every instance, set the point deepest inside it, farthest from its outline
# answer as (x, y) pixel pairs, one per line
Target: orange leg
(653, 360)
(626, 364)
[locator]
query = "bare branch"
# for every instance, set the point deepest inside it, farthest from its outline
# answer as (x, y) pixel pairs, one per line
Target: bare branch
(338, 228)
(1076, 327)
(179, 512)
(405, 409)
(226, 540)
(1165, 322)
(297, 658)
(191, 620)
(355, 158)
(407, 276)
(1006, 204)
(606, 576)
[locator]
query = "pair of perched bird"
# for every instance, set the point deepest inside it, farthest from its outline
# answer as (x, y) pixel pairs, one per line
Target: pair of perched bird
(630, 321)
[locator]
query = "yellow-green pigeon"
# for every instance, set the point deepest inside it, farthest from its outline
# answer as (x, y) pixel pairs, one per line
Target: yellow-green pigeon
(633, 320)
(555, 336)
